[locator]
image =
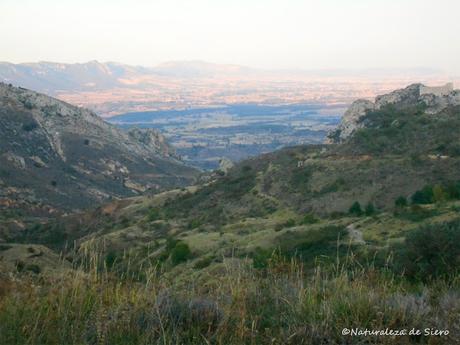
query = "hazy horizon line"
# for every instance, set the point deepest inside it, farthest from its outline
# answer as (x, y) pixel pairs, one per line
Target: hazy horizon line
(427, 69)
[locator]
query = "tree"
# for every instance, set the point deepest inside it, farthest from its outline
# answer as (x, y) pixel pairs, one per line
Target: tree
(423, 196)
(355, 209)
(401, 201)
(370, 209)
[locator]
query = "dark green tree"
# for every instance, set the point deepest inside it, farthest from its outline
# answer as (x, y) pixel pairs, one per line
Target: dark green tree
(370, 209)
(401, 201)
(355, 209)
(423, 196)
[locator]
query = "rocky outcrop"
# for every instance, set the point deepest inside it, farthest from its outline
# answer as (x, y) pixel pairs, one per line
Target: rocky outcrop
(60, 155)
(435, 104)
(350, 121)
(225, 165)
(153, 140)
(435, 99)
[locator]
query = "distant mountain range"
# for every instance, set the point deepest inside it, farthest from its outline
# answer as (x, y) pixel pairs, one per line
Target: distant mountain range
(113, 88)
(53, 77)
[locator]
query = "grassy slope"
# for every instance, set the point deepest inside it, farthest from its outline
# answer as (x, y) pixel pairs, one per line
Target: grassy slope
(271, 244)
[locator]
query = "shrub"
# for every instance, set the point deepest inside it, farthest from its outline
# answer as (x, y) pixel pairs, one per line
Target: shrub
(309, 219)
(29, 126)
(194, 223)
(423, 196)
(439, 194)
(370, 209)
(27, 104)
(415, 213)
(170, 243)
(33, 268)
(315, 244)
(153, 215)
(355, 209)
(401, 201)
(453, 190)
(434, 251)
(289, 223)
(261, 257)
(203, 263)
(110, 259)
(279, 227)
(180, 253)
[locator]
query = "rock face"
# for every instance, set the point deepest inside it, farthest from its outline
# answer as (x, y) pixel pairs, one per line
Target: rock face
(350, 121)
(56, 154)
(225, 165)
(434, 98)
(152, 139)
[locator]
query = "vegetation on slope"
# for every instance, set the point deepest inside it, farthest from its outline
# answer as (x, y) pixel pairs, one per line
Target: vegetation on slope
(286, 248)
(237, 304)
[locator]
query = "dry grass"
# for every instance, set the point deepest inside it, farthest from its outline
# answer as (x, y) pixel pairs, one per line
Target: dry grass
(282, 304)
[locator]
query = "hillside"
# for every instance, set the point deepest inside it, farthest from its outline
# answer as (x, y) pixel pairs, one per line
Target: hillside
(56, 157)
(289, 247)
(401, 150)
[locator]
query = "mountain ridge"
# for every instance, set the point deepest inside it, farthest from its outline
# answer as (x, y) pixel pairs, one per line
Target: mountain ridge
(67, 157)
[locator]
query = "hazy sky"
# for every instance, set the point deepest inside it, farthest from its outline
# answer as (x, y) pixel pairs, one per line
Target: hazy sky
(308, 34)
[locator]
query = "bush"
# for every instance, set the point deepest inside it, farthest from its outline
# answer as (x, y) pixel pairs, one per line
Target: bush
(439, 194)
(153, 215)
(203, 263)
(261, 258)
(289, 223)
(423, 196)
(180, 253)
(27, 104)
(309, 219)
(29, 126)
(316, 244)
(415, 213)
(434, 251)
(401, 201)
(33, 268)
(355, 209)
(110, 259)
(453, 190)
(370, 209)
(194, 223)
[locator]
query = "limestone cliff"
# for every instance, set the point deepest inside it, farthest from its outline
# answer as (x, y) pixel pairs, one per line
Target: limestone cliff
(435, 99)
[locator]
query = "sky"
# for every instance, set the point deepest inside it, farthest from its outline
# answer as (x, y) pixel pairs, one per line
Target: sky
(268, 34)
